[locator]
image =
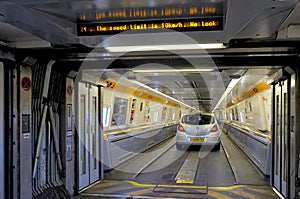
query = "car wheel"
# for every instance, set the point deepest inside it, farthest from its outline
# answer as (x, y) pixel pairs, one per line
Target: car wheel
(218, 146)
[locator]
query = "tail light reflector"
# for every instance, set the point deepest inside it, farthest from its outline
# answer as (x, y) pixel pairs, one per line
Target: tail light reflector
(214, 129)
(180, 128)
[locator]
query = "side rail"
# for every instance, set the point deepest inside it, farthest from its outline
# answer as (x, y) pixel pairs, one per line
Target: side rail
(120, 146)
(255, 144)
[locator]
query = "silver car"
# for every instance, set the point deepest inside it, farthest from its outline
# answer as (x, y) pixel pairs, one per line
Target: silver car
(198, 129)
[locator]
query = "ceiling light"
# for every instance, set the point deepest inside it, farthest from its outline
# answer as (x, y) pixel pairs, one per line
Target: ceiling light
(232, 83)
(198, 100)
(191, 70)
(162, 94)
(165, 47)
(229, 88)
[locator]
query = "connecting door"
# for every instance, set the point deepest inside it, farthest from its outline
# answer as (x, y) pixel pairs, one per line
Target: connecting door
(88, 134)
(281, 131)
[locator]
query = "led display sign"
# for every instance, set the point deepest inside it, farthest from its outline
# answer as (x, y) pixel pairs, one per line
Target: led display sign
(200, 17)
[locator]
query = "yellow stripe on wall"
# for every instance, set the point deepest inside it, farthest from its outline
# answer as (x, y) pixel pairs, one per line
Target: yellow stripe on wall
(262, 86)
(138, 93)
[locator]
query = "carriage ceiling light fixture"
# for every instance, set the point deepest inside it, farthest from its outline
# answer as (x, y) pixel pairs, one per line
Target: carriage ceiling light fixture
(229, 88)
(162, 94)
(188, 70)
(165, 47)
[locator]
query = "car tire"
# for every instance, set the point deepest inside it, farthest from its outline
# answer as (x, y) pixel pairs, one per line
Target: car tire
(217, 146)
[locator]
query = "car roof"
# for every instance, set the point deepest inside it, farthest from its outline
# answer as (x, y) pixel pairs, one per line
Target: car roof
(199, 114)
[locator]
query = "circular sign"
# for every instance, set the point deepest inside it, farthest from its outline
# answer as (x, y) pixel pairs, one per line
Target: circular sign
(26, 83)
(69, 90)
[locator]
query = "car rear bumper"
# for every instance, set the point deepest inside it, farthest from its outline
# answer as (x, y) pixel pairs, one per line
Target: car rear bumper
(211, 139)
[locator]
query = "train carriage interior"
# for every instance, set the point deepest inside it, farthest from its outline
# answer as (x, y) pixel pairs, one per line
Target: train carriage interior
(93, 93)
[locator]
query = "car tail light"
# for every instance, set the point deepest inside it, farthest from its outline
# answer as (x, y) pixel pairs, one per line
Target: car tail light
(214, 129)
(180, 128)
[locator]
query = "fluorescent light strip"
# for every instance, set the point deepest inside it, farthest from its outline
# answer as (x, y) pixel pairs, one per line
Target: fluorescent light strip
(160, 93)
(229, 88)
(173, 70)
(165, 47)
(198, 100)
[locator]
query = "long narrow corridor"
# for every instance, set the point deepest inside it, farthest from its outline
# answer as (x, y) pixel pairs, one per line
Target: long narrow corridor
(100, 98)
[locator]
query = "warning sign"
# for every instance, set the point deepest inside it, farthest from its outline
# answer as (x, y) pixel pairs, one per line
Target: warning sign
(69, 90)
(26, 83)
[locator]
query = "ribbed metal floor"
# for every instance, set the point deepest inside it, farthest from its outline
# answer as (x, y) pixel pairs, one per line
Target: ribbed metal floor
(227, 173)
(244, 170)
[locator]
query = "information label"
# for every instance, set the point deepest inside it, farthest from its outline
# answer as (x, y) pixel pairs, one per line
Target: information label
(211, 24)
(205, 16)
(202, 9)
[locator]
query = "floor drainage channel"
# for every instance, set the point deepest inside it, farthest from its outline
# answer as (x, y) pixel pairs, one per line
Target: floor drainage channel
(184, 182)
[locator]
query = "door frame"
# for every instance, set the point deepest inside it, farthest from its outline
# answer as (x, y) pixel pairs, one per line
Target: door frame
(2, 134)
(286, 82)
(91, 176)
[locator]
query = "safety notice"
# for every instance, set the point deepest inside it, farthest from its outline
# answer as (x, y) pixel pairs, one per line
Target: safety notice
(69, 90)
(26, 83)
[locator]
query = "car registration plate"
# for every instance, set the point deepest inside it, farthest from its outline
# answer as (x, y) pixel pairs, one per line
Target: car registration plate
(198, 139)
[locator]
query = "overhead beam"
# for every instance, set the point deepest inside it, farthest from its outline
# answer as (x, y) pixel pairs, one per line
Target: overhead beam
(35, 23)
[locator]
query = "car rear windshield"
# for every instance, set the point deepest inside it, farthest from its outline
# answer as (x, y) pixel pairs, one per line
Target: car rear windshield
(197, 119)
